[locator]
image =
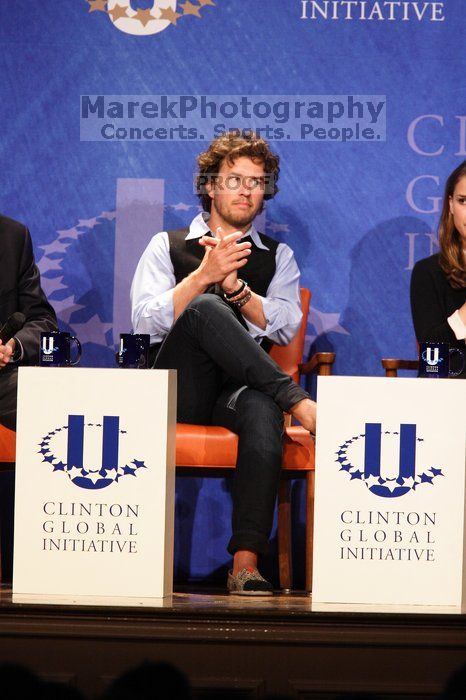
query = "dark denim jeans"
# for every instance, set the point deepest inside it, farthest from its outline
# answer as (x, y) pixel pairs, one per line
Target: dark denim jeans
(215, 356)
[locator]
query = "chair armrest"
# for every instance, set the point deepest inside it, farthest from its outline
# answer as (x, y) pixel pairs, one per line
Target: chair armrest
(391, 366)
(321, 361)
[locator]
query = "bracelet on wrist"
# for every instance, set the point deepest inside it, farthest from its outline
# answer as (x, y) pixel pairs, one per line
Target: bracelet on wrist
(234, 294)
(244, 300)
(239, 296)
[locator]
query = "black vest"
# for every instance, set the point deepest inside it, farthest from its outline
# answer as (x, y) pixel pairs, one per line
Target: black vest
(186, 257)
(258, 273)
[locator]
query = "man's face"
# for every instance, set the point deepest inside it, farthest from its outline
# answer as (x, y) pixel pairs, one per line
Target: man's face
(237, 192)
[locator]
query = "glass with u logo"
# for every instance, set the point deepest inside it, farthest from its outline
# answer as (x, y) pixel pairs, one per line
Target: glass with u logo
(134, 351)
(55, 349)
(440, 360)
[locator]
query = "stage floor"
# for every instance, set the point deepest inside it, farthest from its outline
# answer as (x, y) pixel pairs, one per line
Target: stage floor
(209, 599)
(244, 647)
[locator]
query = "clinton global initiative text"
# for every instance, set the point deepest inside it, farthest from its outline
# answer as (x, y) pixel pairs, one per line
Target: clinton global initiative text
(364, 10)
(390, 554)
(98, 546)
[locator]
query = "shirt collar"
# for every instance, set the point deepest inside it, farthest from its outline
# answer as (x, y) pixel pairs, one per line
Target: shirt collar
(199, 227)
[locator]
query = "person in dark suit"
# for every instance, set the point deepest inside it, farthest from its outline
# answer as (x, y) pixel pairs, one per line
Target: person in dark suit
(438, 283)
(20, 290)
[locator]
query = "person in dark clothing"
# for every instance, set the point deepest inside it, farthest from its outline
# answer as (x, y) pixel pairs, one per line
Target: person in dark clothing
(149, 681)
(438, 283)
(20, 290)
(214, 329)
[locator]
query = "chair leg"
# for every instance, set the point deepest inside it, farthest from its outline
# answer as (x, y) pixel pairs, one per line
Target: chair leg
(285, 568)
(310, 482)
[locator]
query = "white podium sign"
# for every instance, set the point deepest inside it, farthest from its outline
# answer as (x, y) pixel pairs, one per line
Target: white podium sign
(390, 491)
(95, 474)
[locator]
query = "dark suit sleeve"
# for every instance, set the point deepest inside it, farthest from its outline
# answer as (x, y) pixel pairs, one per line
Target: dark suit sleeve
(429, 314)
(32, 302)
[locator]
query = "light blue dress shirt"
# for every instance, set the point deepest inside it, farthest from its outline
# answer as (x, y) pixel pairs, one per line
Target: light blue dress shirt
(154, 281)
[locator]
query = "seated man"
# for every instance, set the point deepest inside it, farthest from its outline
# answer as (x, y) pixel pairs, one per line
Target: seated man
(20, 290)
(214, 328)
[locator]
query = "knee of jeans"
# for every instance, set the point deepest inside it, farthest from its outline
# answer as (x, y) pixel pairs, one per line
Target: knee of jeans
(205, 302)
(257, 411)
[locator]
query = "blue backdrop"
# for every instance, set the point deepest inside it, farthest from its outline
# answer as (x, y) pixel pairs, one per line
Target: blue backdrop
(357, 214)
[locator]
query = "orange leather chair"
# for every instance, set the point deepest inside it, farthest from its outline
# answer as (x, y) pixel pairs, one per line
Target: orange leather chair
(211, 451)
(7, 445)
(7, 459)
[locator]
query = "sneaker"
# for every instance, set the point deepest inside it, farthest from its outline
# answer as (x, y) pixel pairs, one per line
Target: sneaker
(248, 582)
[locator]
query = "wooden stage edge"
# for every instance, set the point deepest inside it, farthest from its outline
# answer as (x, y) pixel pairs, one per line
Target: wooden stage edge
(243, 647)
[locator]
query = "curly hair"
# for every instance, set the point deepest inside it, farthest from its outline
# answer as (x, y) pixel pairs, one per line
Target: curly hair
(230, 146)
(451, 250)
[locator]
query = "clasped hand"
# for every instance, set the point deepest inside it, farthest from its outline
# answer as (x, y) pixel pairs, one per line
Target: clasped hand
(6, 351)
(223, 257)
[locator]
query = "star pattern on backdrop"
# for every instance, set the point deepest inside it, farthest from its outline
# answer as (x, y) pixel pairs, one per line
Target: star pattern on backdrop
(323, 323)
(71, 233)
(117, 12)
(97, 5)
(109, 215)
(275, 227)
(56, 246)
(94, 330)
(88, 223)
(169, 14)
(50, 285)
(64, 308)
(50, 264)
(144, 16)
(326, 322)
(181, 206)
(189, 9)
